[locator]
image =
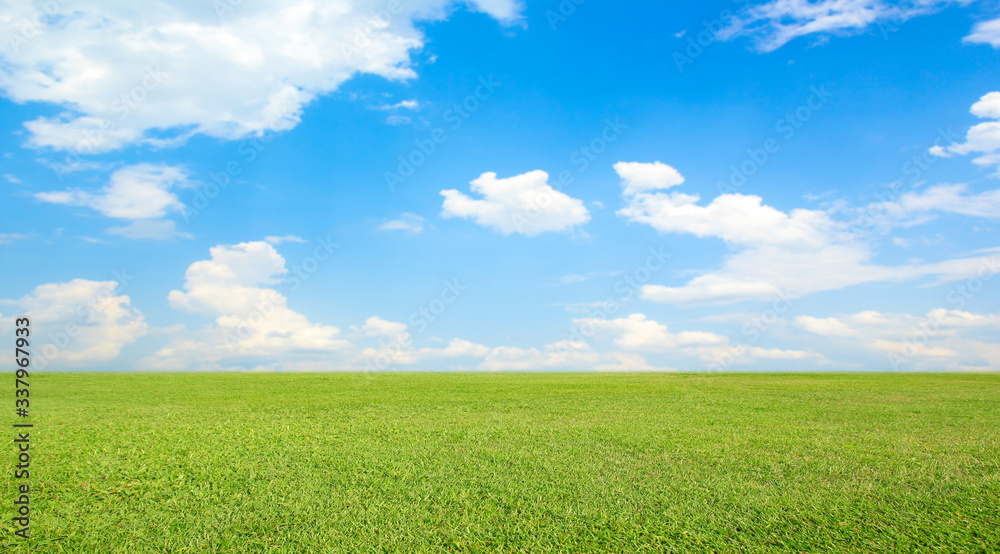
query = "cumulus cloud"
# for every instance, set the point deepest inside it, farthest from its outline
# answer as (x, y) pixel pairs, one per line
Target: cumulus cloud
(773, 24)
(396, 346)
(141, 193)
(228, 70)
(638, 333)
(983, 138)
(77, 322)
(774, 253)
(524, 204)
(411, 224)
(250, 318)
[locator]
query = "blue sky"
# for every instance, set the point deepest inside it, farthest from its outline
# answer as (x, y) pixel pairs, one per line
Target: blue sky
(597, 186)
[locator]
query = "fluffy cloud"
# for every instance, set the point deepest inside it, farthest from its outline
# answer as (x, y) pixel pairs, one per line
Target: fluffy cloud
(524, 204)
(632, 335)
(735, 218)
(250, 318)
(986, 32)
(983, 138)
(457, 348)
(77, 322)
(632, 340)
(638, 333)
(142, 193)
(642, 177)
(396, 346)
(941, 339)
(773, 24)
(226, 69)
(378, 327)
(135, 192)
(775, 253)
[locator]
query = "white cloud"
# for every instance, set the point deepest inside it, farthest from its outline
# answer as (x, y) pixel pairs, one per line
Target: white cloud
(988, 106)
(627, 362)
(457, 348)
(563, 355)
(941, 339)
(276, 240)
(411, 224)
(779, 354)
(11, 179)
(163, 73)
(506, 11)
(142, 193)
(634, 336)
(638, 333)
(642, 177)
(404, 104)
(7, 238)
(396, 346)
(735, 218)
(78, 322)
(397, 120)
(920, 350)
(573, 279)
(773, 24)
(250, 318)
(775, 253)
(524, 204)
(986, 32)
(827, 327)
(378, 327)
(947, 199)
(983, 138)
(82, 134)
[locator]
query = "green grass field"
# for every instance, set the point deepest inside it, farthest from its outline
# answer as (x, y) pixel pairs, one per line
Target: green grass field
(512, 463)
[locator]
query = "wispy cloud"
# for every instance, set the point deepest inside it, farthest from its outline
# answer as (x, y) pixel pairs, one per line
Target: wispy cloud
(408, 223)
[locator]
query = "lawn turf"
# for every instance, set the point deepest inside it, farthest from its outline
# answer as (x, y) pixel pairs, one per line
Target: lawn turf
(511, 463)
